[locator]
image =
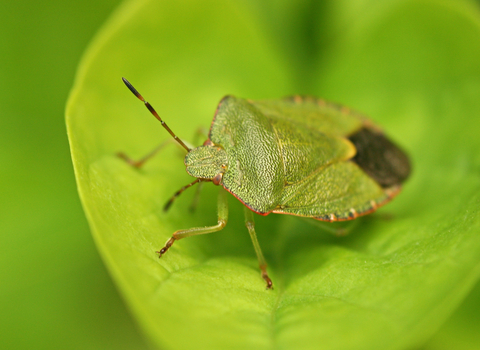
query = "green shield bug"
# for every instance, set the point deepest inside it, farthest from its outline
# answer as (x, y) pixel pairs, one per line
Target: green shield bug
(300, 156)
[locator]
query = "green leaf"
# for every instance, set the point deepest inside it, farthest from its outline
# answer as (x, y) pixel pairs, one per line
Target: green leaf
(460, 332)
(411, 65)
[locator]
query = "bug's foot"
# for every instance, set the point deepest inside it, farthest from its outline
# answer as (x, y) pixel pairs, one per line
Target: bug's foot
(267, 279)
(164, 249)
(135, 164)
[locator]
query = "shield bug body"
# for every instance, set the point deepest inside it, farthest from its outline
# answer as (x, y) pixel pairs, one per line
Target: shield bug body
(299, 156)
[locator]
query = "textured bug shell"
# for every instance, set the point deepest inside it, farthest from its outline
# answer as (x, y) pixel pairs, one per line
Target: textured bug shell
(299, 156)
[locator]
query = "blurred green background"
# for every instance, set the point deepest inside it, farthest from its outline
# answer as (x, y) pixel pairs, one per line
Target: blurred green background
(55, 291)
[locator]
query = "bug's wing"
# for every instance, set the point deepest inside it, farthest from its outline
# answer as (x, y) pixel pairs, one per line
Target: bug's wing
(313, 113)
(304, 150)
(341, 191)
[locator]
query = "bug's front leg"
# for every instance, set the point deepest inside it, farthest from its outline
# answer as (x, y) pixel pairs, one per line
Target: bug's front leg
(250, 223)
(139, 163)
(222, 222)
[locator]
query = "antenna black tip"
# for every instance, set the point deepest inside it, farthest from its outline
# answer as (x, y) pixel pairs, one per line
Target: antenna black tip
(168, 204)
(132, 89)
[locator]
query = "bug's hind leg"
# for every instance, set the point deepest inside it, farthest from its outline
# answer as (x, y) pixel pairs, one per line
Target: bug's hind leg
(338, 229)
(261, 260)
(222, 222)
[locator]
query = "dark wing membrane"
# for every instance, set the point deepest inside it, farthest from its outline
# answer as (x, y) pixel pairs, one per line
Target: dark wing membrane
(380, 158)
(313, 113)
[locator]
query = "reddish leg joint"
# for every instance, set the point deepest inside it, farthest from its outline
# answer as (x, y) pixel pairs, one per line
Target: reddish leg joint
(164, 249)
(136, 164)
(267, 279)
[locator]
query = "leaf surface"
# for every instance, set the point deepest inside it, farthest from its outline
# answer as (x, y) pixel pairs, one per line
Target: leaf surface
(412, 66)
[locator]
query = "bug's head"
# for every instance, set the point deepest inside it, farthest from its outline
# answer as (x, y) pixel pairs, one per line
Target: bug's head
(207, 162)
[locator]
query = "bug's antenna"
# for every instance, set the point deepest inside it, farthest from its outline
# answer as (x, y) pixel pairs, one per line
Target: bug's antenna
(170, 201)
(155, 114)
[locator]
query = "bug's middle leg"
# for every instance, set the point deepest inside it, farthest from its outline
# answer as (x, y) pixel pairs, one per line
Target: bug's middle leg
(222, 222)
(253, 235)
(193, 205)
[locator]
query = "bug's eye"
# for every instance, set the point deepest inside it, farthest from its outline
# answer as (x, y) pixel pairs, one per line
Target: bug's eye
(217, 179)
(208, 143)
